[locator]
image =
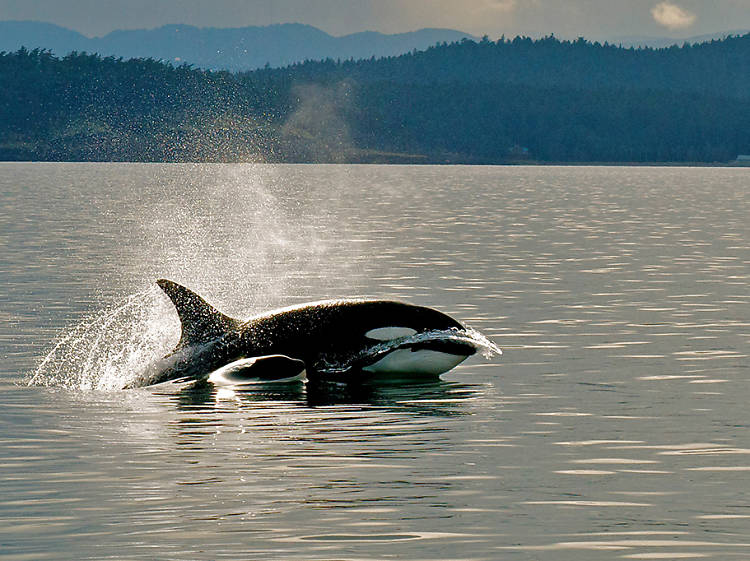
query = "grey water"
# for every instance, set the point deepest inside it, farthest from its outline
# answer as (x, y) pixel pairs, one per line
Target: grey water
(615, 425)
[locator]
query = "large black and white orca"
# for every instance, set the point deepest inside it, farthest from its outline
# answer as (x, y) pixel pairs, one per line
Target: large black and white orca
(342, 340)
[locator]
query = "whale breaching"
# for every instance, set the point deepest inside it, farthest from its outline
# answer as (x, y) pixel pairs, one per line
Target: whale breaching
(342, 340)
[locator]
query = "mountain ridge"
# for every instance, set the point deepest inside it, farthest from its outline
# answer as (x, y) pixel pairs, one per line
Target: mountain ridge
(644, 41)
(234, 49)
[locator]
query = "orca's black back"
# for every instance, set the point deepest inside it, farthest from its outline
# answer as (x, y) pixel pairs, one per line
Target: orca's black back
(326, 333)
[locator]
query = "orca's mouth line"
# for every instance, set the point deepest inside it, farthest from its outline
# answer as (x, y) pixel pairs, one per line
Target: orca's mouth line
(453, 341)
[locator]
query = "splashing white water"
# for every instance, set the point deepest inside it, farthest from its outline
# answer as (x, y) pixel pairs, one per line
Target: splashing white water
(107, 350)
(225, 216)
(234, 235)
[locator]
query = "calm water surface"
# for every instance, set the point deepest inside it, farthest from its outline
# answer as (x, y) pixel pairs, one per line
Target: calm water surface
(615, 426)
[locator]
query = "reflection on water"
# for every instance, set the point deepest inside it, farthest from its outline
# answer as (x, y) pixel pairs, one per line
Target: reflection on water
(614, 426)
(430, 397)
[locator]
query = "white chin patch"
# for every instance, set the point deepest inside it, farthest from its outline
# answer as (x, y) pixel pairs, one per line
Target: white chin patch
(421, 363)
(388, 333)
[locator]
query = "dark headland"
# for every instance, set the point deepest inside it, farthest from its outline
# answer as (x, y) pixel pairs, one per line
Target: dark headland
(467, 102)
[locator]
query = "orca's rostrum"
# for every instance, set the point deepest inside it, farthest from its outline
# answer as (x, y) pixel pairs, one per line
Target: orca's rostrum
(343, 340)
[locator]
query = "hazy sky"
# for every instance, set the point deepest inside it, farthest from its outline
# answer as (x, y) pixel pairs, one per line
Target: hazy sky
(595, 19)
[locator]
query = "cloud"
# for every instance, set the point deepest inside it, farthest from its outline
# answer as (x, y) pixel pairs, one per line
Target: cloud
(501, 5)
(490, 7)
(672, 16)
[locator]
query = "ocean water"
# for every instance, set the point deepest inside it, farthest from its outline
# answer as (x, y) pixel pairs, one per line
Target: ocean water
(614, 426)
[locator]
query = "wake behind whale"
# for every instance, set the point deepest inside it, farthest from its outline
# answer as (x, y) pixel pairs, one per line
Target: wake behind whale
(342, 340)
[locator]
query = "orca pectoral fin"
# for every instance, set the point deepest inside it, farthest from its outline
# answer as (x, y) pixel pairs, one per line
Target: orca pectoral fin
(259, 370)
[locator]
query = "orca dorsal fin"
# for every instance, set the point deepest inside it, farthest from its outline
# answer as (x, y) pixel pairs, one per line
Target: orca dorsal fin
(200, 321)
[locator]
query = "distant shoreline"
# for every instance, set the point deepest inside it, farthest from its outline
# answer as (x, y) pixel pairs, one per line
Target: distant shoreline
(402, 163)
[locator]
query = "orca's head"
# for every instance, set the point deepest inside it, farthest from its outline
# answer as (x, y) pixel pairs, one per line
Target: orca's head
(415, 340)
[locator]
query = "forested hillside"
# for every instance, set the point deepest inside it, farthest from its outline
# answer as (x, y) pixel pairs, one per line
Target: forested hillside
(719, 68)
(472, 102)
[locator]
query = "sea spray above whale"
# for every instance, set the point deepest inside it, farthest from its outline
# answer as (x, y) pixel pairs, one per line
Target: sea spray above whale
(343, 340)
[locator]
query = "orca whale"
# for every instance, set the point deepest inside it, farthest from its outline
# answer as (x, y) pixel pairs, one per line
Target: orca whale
(341, 340)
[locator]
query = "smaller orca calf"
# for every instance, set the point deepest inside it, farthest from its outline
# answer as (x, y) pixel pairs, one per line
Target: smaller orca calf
(340, 340)
(259, 370)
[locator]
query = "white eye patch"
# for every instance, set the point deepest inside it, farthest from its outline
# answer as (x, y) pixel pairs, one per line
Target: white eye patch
(388, 333)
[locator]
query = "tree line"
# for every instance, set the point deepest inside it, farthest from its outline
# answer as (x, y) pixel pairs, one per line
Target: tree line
(488, 101)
